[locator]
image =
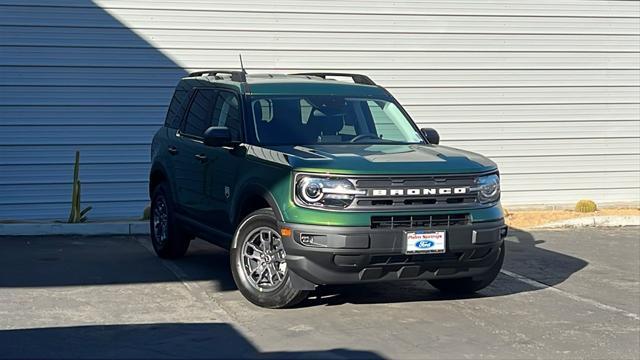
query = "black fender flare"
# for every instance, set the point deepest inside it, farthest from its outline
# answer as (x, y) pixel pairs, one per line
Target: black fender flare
(247, 191)
(160, 168)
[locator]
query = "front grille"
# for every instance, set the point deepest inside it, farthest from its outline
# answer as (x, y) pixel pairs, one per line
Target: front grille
(418, 221)
(415, 192)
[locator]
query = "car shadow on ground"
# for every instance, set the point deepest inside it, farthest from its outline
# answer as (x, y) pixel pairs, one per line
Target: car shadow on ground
(150, 341)
(78, 261)
(68, 261)
(524, 256)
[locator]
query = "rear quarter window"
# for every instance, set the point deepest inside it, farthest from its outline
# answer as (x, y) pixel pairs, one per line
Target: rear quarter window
(176, 108)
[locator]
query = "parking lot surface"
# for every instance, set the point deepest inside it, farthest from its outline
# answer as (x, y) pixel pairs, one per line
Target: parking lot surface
(562, 294)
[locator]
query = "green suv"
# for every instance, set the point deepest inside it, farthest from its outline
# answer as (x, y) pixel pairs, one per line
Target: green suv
(309, 181)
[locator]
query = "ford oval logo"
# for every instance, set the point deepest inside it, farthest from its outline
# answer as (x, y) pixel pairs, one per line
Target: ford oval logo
(424, 244)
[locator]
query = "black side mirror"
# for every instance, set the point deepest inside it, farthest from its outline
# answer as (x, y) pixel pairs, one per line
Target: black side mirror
(432, 135)
(217, 136)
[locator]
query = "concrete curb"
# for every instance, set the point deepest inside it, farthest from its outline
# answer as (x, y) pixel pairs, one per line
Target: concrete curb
(86, 229)
(594, 221)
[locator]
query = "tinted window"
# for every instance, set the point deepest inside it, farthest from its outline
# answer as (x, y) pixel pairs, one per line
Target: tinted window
(384, 118)
(307, 120)
(175, 109)
(226, 112)
(200, 113)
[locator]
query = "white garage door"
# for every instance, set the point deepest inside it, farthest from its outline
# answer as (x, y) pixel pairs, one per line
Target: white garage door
(548, 89)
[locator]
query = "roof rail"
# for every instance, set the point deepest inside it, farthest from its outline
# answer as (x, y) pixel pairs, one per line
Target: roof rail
(357, 78)
(239, 76)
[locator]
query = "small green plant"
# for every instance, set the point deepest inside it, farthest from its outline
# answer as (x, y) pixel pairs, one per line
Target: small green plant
(77, 215)
(146, 213)
(586, 206)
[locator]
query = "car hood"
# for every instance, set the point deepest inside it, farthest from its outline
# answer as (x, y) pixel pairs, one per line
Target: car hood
(375, 159)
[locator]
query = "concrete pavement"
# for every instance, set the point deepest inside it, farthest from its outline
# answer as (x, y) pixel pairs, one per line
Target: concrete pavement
(572, 293)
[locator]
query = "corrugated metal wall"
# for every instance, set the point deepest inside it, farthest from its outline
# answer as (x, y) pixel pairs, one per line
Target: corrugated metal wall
(548, 89)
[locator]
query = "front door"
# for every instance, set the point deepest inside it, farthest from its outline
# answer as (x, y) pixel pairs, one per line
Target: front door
(209, 186)
(220, 169)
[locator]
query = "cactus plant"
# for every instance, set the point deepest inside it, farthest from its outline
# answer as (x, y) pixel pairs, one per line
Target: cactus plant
(77, 215)
(586, 206)
(146, 213)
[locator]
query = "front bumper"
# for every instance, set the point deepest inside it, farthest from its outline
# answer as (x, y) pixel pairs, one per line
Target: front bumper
(347, 255)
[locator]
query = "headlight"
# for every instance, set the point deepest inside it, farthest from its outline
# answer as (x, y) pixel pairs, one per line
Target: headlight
(488, 188)
(325, 192)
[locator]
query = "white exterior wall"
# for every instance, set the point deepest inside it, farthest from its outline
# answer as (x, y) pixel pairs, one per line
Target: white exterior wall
(550, 90)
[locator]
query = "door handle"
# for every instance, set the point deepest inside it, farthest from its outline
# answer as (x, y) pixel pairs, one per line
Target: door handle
(172, 150)
(201, 157)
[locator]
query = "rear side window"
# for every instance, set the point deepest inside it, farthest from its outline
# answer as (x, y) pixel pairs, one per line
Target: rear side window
(200, 113)
(174, 113)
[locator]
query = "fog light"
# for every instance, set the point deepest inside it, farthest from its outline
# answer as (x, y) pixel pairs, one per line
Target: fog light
(306, 239)
(313, 240)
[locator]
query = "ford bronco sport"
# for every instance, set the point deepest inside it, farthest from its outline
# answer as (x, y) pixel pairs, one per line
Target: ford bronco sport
(309, 181)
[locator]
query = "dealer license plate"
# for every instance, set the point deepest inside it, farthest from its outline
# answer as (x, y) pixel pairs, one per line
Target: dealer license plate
(425, 242)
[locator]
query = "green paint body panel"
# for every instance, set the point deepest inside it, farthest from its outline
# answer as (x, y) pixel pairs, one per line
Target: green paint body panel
(268, 171)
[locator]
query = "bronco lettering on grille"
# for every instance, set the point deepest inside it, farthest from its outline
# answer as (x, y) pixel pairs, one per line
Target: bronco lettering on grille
(417, 192)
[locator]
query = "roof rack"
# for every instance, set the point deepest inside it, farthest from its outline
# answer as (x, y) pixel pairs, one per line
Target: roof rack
(239, 76)
(357, 78)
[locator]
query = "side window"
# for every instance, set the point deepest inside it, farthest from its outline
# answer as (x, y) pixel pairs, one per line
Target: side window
(200, 113)
(175, 109)
(226, 112)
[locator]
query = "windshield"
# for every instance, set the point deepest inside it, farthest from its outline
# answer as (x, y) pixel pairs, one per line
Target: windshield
(309, 120)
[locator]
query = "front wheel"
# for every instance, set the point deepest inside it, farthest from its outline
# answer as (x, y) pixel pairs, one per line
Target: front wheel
(258, 263)
(472, 284)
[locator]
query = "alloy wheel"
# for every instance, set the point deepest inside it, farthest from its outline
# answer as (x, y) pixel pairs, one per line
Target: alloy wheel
(160, 221)
(263, 259)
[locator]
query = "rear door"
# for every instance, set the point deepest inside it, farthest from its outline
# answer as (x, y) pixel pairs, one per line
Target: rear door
(167, 148)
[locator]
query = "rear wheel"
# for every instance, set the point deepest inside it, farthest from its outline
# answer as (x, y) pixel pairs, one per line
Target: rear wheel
(258, 263)
(169, 240)
(471, 284)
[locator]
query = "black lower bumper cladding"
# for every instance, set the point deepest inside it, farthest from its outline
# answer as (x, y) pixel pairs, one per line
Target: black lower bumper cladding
(319, 255)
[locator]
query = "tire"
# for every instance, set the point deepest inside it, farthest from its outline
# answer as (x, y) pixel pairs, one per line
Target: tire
(472, 284)
(258, 267)
(169, 240)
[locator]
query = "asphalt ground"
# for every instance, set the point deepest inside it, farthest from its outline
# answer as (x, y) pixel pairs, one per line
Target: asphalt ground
(562, 294)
